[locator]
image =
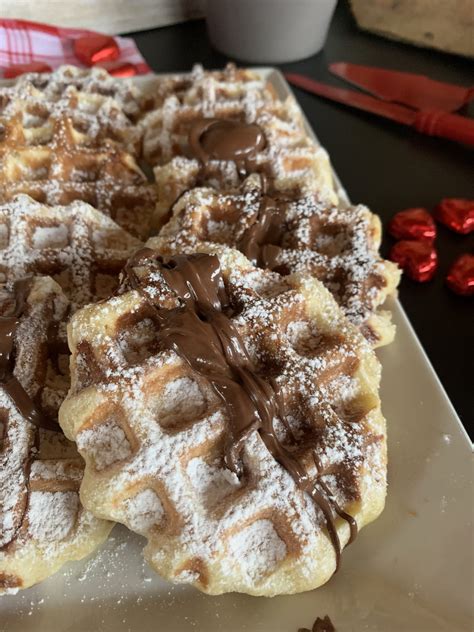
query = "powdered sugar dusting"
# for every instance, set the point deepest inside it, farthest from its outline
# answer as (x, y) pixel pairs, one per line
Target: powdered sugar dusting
(106, 443)
(52, 470)
(144, 510)
(19, 440)
(212, 482)
(52, 516)
(68, 81)
(61, 243)
(181, 401)
(257, 549)
(50, 237)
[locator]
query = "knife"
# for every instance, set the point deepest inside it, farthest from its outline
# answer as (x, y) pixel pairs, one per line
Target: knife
(417, 91)
(431, 122)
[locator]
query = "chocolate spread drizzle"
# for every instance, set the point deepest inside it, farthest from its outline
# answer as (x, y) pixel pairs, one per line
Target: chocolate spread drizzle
(8, 327)
(226, 139)
(8, 381)
(201, 333)
(261, 241)
(10, 384)
(321, 625)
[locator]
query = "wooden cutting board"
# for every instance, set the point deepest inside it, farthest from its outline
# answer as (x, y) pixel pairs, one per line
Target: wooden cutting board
(447, 25)
(106, 16)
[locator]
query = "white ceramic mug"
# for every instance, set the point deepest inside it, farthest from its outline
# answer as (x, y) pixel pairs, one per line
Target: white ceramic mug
(269, 30)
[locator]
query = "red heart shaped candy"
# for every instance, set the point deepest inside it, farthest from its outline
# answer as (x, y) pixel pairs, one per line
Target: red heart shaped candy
(121, 69)
(94, 48)
(413, 223)
(457, 214)
(418, 259)
(460, 277)
(20, 69)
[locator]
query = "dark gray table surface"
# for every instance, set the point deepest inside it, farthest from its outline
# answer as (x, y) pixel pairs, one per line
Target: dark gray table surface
(382, 164)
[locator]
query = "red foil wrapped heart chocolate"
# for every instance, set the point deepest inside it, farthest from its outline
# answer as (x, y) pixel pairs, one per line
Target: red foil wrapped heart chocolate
(418, 259)
(457, 214)
(121, 69)
(413, 223)
(20, 69)
(95, 48)
(460, 278)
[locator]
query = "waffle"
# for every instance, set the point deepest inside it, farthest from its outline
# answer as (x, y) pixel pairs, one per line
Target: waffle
(84, 250)
(42, 523)
(81, 248)
(165, 454)
(229, 84)
(338, 245)
(288, 157)
(90, 81)
(93, 115)
(57, 163)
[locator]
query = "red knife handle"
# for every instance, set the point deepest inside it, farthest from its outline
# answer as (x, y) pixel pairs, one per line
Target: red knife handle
(452, 126)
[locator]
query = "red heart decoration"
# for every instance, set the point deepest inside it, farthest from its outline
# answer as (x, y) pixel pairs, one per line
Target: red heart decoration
(20, 69)
(457, 214)
(418, 259)
(94, 48)
(121, 69)
(413, 223)
(460, 277)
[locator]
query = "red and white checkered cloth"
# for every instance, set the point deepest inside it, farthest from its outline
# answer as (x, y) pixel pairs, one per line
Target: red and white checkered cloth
(24, 42)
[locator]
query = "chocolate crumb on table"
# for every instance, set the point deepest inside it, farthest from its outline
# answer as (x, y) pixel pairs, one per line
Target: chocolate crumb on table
(320, 625)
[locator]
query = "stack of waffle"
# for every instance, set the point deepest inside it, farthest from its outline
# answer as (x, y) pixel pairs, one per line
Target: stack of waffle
(290, 159)
(222, 398)
(69, 136)
(65, 139)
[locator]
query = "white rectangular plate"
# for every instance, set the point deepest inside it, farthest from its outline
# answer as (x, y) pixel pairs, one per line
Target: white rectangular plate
(410, 570)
